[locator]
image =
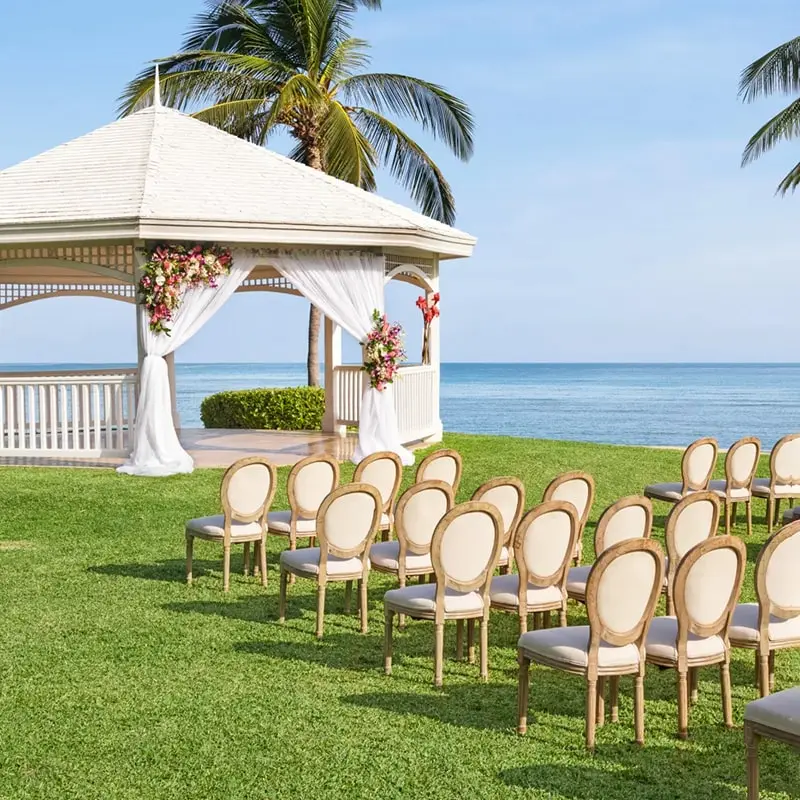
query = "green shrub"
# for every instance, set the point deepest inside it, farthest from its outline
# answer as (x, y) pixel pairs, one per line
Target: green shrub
(298, 408)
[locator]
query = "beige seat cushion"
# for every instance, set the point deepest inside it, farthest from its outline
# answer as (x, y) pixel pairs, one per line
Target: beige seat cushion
(305, 561)
(666, 491)
(279, 521)
(505, 591)
(504, 555)
(421, 599)
(761, 488)
(662, 642)
(570, 646)
(576, 579)
(780, 711)
(213, 527)
(719, 487)
(744, 627)
(386, 554)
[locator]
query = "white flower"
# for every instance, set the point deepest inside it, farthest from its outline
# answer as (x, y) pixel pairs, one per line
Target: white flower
(160, 280)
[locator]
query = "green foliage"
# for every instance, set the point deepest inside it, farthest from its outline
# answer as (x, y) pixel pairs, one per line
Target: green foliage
(262, 66)
(293, 409)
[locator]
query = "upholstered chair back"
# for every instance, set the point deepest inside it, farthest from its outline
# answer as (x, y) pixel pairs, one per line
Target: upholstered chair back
(692, 520)
(741, 463)
(248, 487)
(777, 570)
(784, 462)
(508, 496)
(384, 471)
(419, 510)
(544, 543)
(697, 466)
(443, 465)
(310, 482)
(348, 519)
(628, 518)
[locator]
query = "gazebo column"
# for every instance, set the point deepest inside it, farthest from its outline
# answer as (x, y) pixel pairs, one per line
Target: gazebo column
(333, 359)
(436, 361)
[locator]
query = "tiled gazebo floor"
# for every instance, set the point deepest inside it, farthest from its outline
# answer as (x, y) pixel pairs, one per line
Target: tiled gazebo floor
(220, 448)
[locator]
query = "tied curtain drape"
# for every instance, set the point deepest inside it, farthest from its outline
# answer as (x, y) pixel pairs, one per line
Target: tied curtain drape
(156, 448)
(347, 287)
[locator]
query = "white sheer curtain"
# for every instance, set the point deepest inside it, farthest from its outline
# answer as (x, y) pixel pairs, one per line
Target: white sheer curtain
(156, 448)
(347, 287)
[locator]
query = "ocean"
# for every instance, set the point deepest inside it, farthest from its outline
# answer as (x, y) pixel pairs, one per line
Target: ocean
(649, 404)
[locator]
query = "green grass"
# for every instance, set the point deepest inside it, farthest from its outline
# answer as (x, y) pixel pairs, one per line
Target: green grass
(119, 681)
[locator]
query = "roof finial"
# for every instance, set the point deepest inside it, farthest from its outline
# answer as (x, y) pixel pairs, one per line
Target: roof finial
(157, 90)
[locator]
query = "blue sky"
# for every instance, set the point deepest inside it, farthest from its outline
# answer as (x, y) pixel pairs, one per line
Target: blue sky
(613, 219)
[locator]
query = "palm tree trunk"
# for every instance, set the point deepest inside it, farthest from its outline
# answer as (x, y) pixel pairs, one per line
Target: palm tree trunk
(314, 160)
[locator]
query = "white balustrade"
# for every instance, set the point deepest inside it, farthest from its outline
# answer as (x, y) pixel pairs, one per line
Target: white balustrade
(89, 413)
(416, 399)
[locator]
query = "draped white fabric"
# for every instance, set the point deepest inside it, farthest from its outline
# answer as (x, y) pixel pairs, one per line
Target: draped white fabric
(156, 448)
(347, 287)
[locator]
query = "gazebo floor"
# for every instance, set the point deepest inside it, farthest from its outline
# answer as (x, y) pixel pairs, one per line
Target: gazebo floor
(220, 448)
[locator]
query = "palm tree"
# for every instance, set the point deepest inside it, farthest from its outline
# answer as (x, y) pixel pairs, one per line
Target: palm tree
(777, 72)
(254, 67)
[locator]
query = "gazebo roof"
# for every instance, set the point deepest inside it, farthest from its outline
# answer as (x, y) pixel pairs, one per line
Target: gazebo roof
(162, 175)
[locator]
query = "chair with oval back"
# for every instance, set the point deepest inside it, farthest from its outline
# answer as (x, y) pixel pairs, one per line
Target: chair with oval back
(441, 465)
(697, 466)
(248, 487)
(741, 462)
(784, 477)
(772, 623)
(707, 585)
(346, 524)
(691, 520)
(508, 496)
(311, 480)
(384, 471)
(576, 488)
(628, 518)
(464, 551)
(543, 546)
(621, 595)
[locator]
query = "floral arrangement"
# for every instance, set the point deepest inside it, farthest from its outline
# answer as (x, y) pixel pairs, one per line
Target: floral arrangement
(383, 351)
(428, 304)
(171, 270)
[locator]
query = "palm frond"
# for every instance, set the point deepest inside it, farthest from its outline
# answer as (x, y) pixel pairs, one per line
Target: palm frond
(241, 118)
(790, 182)
(409, 164)
(346, 152)
(774, 73)
(784, 125)
(349, 55)
(438, 111)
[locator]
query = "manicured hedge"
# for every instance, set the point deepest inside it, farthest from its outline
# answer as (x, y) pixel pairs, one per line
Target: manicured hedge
(297, 408)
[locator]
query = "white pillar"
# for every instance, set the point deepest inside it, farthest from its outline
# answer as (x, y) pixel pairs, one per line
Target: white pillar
(436, 359)
(333, 359)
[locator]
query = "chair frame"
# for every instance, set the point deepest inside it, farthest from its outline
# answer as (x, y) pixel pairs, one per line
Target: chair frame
(731, 483)
(673, 556)
(686, 484)
(389, 505)
(598, 632)
(230, 514)
(773, 501)
(326, 549)
(603, 522)
(436, 454)
(687, 626)
(528, 578)
(297, 511)
(753, 733)
(444, 581)
(558, 481)
(508, 537)
(764, 648)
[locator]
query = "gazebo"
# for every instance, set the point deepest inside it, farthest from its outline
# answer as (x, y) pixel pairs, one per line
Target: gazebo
(80, 220)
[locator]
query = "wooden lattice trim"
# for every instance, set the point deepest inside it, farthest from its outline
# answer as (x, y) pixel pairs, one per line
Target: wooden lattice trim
(279, 284)
(14, 294)
(118, 257)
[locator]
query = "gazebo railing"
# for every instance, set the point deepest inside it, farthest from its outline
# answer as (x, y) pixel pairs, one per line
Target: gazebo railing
(87, 413)
(416, 399)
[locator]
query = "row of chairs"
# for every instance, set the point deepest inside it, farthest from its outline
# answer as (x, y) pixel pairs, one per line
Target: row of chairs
(740, 484)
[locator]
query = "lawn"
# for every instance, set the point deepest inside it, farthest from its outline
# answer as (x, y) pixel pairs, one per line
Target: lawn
(119, 681)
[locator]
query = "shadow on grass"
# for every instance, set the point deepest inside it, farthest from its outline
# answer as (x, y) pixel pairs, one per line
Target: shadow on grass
(174, 569)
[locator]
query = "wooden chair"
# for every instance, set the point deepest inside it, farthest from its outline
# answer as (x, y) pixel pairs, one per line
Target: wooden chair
(707, 584)
(441, 465)
(774, 717)
(384, 471)
(310, 482)
(741, 462)
(543, 546)
(576, 488)
(784, 477)
(464, 551)
(772, 623)
(621, 595)
(508, 496)
(346, 524)
(697, 466)
(628, 518)
(691, 521)
(248, 487)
